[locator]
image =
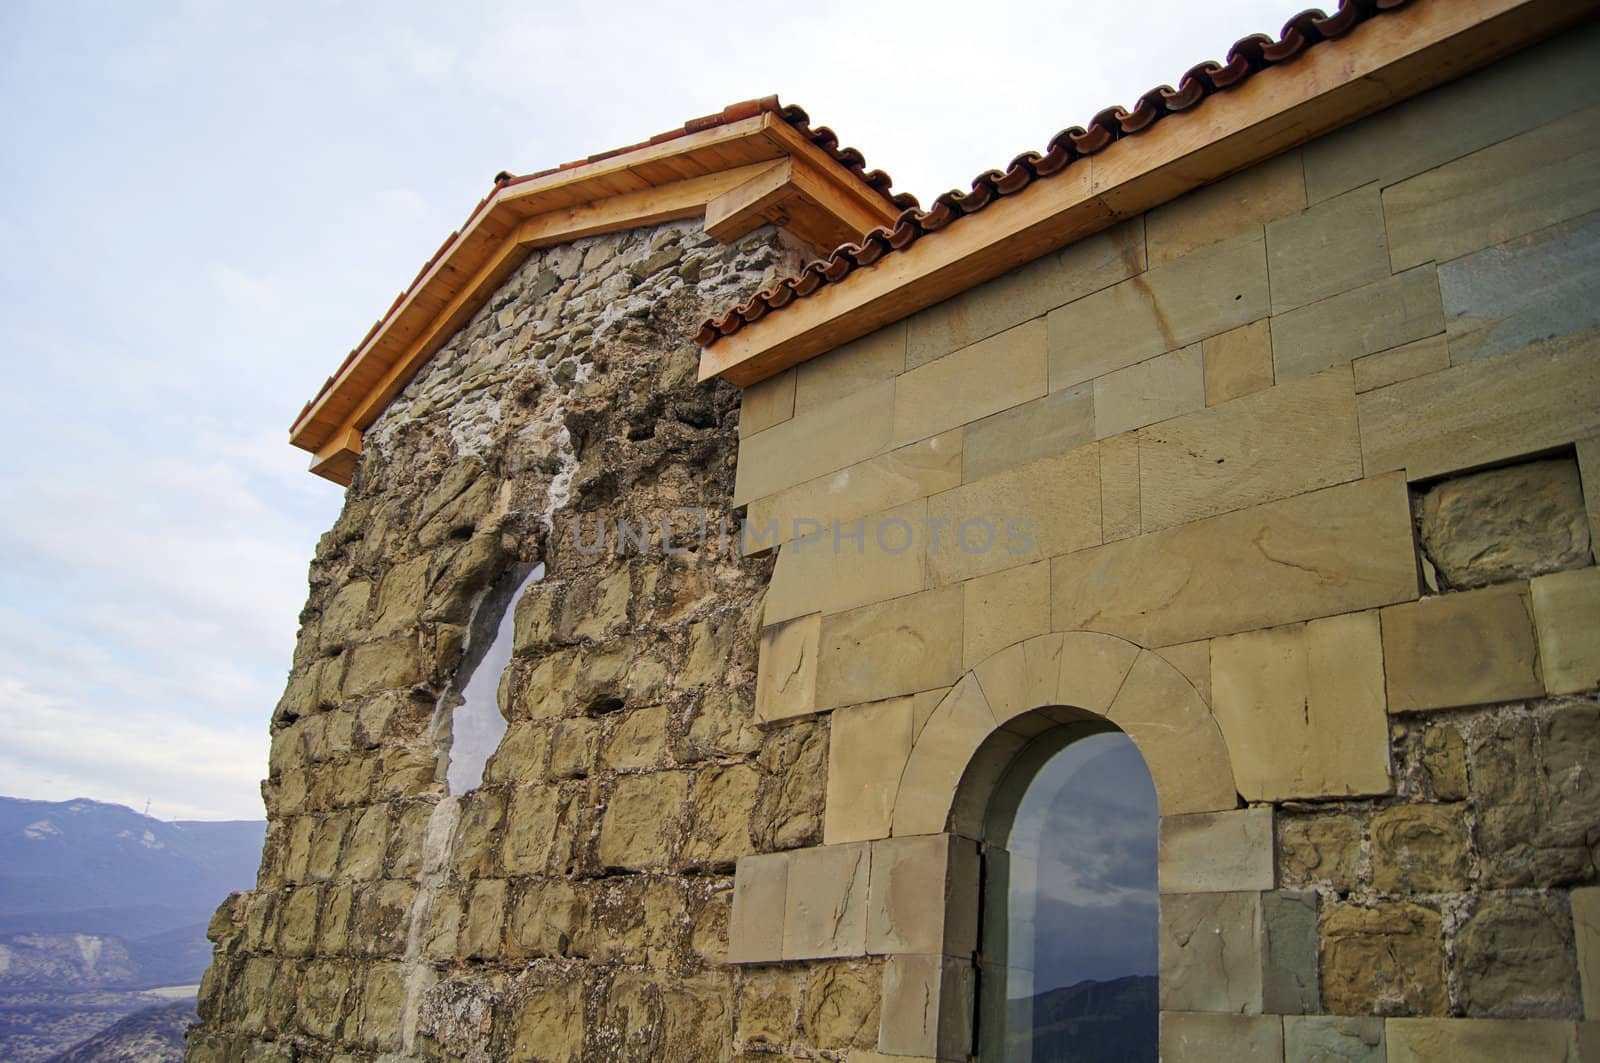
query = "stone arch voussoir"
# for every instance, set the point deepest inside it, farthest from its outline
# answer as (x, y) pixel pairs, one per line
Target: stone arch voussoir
(1029, 687)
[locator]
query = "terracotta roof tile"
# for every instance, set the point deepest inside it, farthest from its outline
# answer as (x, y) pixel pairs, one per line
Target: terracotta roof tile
(1247, 57)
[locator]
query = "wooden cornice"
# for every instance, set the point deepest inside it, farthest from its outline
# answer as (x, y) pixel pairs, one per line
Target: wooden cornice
(739, 175)
(1379, 63)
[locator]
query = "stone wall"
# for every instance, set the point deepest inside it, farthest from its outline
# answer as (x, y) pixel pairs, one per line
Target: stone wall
(575, 905)
(1295, 480)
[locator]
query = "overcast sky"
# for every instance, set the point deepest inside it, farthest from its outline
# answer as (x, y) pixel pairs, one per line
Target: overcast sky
(203, 206)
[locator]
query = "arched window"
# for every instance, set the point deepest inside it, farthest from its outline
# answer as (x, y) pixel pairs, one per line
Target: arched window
(1069, 938)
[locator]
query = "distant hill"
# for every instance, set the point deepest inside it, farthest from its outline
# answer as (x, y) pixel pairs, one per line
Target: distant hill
(1092, 1022)
(154, 1035)
(97, 903)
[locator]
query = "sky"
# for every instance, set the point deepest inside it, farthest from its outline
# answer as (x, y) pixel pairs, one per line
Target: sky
(204, 206)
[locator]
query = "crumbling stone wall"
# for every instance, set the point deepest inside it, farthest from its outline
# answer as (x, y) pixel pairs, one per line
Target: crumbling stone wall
(574, 905)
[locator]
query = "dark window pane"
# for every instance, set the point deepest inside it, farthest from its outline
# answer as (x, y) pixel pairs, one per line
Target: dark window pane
(1071, 906)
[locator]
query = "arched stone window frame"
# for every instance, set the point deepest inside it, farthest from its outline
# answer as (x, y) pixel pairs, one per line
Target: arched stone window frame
(1216, 864)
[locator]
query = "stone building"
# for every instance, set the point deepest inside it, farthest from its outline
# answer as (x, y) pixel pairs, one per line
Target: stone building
(1256, 428)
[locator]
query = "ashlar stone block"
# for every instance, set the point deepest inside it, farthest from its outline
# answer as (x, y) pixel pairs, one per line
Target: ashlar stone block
(1232, 207)
(1119, 487)
(867, 750)
(1078, 269)
(1015, 518)
(1217, 852)
(1506, 190)
(1038, 429)
(872, 486)
(1290, 981)
(1211, 952)
(1350, 325)
(939, 758)
(1544, 396)
(1302, 708)
(1155, 390)
(1333, 1039)
(825, 902)
(1283, 441)
(1332, 551)
(1405, 362)
(1004, 608)
(1204, 1037)
(834, 568)
(822, 440)
(1238, 362)
(1471, 648)
(760, 899)
(1175, 731)
(846, 369)
(991, 375)
(786, 672)
(927, 1007)
(891, 648)
(1480, 1041)
(1201, 294)
(766, 403)
(1566, 609)
(1335, 246)
(923, 897)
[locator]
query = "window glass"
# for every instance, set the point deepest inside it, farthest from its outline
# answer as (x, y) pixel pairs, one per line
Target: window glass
(1070, 906)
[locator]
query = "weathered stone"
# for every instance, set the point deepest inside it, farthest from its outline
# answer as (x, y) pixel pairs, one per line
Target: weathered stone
(1238, 362)
(1586, 932)
(638, 741)
(1383, 960)
(867, 750)
(825, 902)
(1155, 390)
(769, 1006)
(889, 480)
(1479, 1041)
(1081, 267)
(1503, 191)
(1034, 430)
(545, 919)
(548, 1025)
(1201, 294)
(893, 648)
(1505, 524)
(534, 818)
(994, 374)
(1217, 852)
(786, 678)
(367, 844)
(1335, 246)
(1284, 441)
(1405, 362)
(573, 744)
(1515, 957)
(841, 1006)
(1527, 831)
(1289, 977)
(1421, 849)
(346, 615)
(634, 833)
(1228, 208)
(1344, 327)
(1119, 487)
(1472, 648)
(1016, 517)
(486, 912)
(1332, 1039)
(1211, 952)
(1004, 608)
(1566, 609)
(391, 664)
(760, 897)
(1444, 755)
(1331, 551)
(297, 921)
(879, 355)
(1198, 1037)
(720, 828)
